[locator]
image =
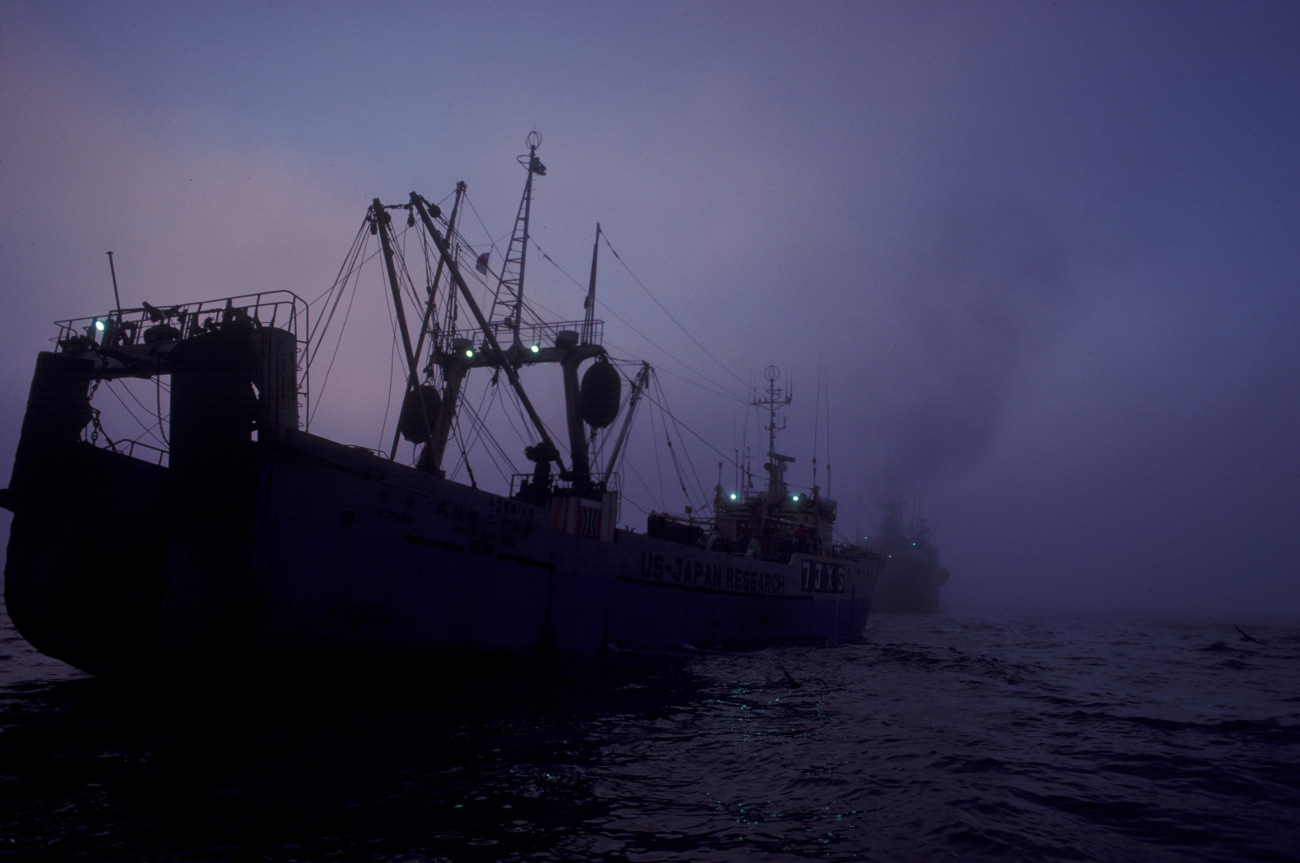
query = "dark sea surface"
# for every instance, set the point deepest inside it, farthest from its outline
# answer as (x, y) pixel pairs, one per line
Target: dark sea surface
(952, 736)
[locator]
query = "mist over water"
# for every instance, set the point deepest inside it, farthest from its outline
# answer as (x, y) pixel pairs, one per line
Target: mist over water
(952, 736)
(985, 293)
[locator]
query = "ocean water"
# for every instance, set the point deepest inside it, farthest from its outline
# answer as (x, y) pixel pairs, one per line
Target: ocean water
(943, 737)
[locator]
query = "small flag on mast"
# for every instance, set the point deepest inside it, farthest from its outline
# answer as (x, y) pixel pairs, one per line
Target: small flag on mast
(481, 266)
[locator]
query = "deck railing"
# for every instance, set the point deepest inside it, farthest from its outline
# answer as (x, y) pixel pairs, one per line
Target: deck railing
(152, 324)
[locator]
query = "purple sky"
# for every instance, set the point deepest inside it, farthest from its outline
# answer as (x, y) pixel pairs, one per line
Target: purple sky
(1049, 254)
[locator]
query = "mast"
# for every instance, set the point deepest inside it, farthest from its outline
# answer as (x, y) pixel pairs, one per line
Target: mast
(437, 275)
(382, 221)
(574, 356)
(502, 361)
(508, 284)
(775, 462)
(419, 345)
(637, 386)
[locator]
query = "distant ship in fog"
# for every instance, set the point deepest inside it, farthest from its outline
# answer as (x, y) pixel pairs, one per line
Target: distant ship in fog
(912, 576)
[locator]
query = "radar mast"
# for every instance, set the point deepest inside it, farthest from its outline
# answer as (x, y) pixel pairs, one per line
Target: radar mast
(776, 463)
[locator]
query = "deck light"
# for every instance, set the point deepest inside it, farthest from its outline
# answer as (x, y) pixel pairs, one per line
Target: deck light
(464, 346)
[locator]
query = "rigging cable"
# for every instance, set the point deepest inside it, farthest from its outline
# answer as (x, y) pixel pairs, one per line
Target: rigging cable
(605, 236)
(492, 244)
(509, 419)
(714, 387)
(320, 393)
(464, 456)
(659, 471)
(482, 431)
(681, 480)
(695, 434)
(349, 271)
(399, 261)
(350, 265)
(148, 430)
(644, 485)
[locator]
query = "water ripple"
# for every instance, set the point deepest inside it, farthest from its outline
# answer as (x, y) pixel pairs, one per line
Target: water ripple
(934, 738)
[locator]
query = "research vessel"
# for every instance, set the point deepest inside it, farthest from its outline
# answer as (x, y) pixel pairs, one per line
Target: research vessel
(241, 536)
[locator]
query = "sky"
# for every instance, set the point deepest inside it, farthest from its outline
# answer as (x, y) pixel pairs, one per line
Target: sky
(1033, 266)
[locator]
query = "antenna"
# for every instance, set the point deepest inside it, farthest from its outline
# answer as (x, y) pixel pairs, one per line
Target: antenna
(827, 382)
(117, 299)
(588, 319)
(817, 406)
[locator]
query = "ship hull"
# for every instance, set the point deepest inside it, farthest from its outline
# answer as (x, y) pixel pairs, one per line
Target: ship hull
(908, 584)
(308, 548)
